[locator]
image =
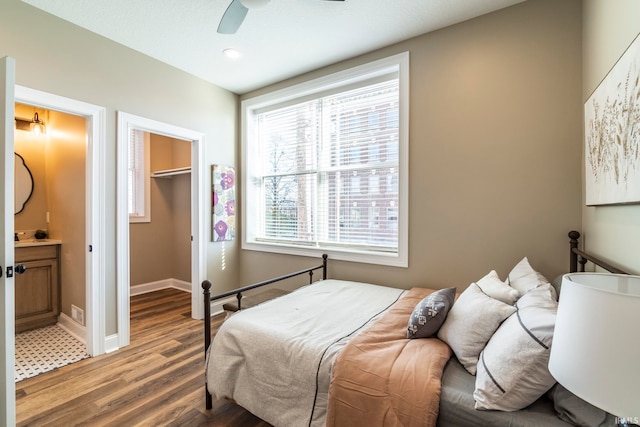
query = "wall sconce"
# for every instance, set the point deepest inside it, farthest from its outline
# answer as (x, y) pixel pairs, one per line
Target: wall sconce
(35, 126)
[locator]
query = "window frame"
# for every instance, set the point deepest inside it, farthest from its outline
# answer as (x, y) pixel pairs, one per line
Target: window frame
(144, 185)
(332, 83)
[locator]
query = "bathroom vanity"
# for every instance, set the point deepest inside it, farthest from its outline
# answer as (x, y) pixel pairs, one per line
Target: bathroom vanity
(37, 289)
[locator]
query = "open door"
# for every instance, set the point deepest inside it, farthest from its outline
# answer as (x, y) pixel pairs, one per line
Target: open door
(7, 291)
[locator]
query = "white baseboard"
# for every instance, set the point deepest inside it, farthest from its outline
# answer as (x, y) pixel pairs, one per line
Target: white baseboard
(111, 343)
(78, 331)
(160, 284)
(216, 306)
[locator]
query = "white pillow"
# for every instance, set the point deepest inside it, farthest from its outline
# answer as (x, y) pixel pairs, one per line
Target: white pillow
(496, 288)
(470, 323)
(512, 371)
(524, 278)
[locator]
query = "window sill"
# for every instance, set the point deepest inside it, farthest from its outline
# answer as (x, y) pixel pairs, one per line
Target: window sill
(340, 254)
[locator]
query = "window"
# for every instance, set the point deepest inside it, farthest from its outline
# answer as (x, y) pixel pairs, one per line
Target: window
(139, 199)
(325, 166)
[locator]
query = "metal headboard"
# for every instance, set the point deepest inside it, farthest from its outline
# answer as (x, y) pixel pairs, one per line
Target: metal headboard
(578, 258)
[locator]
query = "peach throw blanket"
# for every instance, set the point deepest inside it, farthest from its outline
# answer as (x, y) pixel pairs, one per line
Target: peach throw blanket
(382, 378)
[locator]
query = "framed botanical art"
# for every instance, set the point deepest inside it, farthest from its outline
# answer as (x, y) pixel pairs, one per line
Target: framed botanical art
(223, 203)
(612, 134)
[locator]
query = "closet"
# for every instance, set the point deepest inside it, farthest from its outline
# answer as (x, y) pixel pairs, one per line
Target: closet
(160, 249)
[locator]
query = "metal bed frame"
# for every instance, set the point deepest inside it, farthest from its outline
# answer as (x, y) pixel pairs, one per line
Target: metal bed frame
(577, 256)
(577, 260)
(206, 286)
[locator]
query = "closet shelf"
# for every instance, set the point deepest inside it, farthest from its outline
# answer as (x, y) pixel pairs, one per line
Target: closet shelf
(168, 173)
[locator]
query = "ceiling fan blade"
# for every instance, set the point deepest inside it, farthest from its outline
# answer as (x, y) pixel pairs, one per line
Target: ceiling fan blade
(232, 18)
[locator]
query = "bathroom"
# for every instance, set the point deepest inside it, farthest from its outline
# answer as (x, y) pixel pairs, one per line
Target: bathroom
(52, 289)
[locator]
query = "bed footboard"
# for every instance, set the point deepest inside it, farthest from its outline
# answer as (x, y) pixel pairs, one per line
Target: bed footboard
(208, 298)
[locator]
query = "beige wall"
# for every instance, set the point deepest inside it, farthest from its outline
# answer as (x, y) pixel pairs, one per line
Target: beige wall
(161, 249)
(609, 27)
(32, 148)
(495, 142)
(57, 57)
(65, 182)
(181, 227)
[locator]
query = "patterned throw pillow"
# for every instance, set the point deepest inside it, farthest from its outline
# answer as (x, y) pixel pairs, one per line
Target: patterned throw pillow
(429, 314)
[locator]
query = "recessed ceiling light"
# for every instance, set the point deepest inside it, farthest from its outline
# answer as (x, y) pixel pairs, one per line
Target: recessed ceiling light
(231, 53)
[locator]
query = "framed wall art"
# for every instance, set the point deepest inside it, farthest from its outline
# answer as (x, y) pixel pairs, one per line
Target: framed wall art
(223, 203)
(612, 134)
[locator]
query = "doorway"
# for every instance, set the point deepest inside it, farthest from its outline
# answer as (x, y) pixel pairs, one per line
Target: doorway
(88, 241)
(159, 212)
(126, 123)
(50, 236)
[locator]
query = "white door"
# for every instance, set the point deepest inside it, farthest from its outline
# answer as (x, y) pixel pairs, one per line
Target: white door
(7, 309)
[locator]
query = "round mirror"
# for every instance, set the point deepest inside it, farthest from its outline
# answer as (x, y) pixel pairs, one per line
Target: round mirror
(23, 183)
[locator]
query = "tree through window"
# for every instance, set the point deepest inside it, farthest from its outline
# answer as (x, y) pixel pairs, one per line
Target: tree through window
(325, 170)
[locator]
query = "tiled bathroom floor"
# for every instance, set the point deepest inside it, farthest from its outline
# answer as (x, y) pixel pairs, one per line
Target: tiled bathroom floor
(46, 349)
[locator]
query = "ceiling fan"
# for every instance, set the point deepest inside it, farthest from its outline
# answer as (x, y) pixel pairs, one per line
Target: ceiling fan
(235, 13)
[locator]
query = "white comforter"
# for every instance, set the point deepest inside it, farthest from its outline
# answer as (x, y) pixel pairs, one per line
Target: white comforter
(275, 359)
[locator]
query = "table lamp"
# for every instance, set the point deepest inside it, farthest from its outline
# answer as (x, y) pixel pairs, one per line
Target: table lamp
(595, 352)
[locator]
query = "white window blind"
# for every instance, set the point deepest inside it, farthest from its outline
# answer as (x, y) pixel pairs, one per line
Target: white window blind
(326, 169)
(138, 176)
(330, 169)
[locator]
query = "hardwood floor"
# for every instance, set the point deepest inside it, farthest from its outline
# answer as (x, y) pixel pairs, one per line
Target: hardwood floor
(158, 380)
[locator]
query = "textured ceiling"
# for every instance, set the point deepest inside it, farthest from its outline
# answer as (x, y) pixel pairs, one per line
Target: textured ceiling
(281, 40)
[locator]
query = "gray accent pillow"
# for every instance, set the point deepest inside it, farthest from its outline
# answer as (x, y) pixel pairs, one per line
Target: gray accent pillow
(430, 313)
(557, 284)
(576, 411)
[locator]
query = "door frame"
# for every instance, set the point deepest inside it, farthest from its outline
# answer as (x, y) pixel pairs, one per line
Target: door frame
(94, 209)
(128, 121)
(7, 290)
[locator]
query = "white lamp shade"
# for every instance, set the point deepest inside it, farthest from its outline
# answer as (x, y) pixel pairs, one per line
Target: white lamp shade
(254, 4)
(595, 352)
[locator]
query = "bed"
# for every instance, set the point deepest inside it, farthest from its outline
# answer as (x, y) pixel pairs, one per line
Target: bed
(337, 353)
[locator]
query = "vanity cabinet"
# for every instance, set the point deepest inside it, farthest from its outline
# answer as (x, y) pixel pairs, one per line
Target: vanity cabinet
(37, 296)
